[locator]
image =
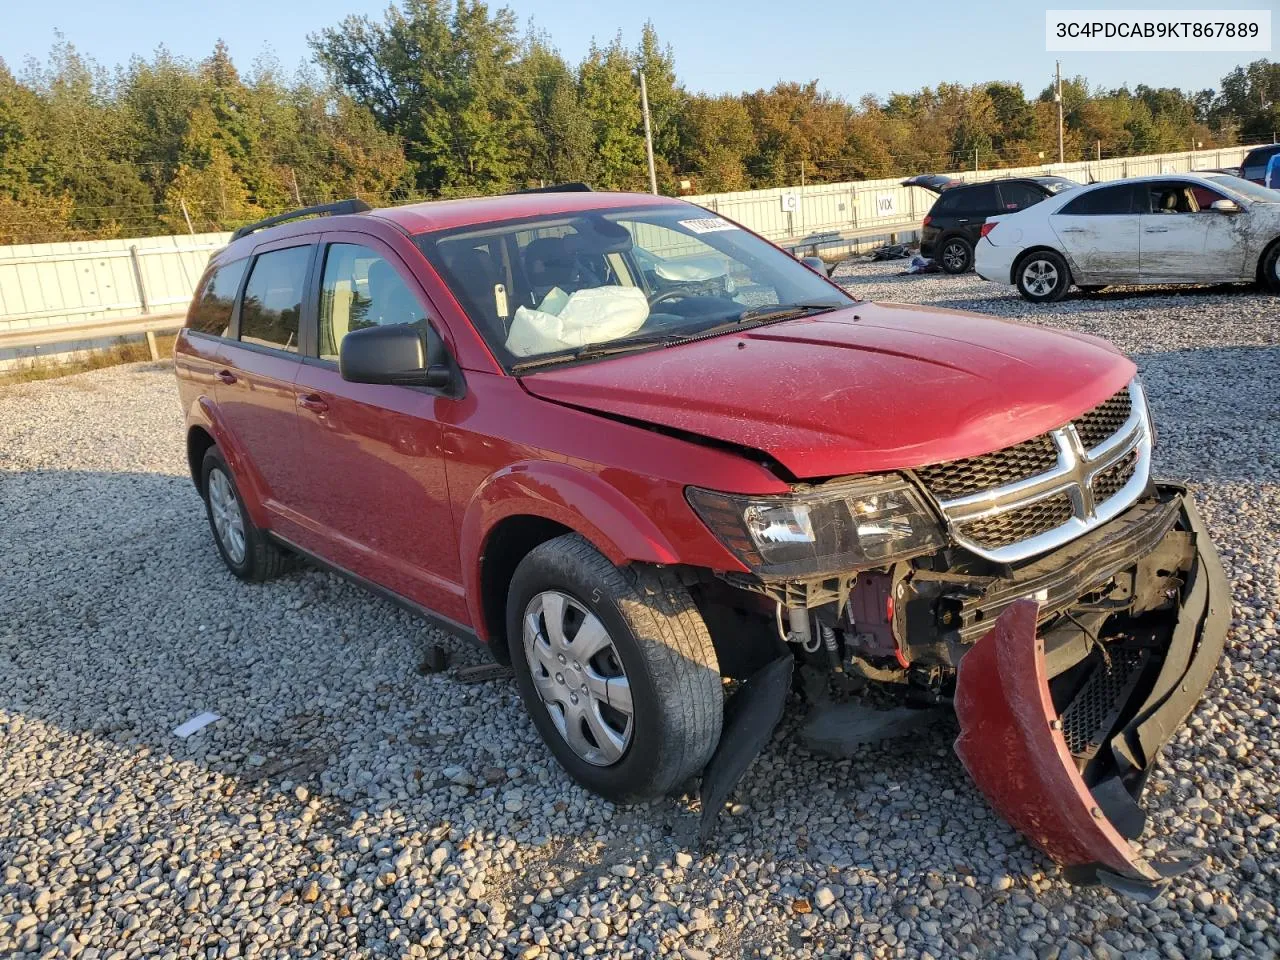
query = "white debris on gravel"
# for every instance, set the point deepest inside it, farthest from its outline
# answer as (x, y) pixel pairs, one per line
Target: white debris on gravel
(350, 806)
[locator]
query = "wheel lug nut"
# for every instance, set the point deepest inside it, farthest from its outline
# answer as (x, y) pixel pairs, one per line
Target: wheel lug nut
(560, 658)
(559, 678)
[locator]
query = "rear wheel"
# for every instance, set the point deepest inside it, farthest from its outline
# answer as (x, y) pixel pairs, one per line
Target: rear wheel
(956, 255)
(245, 549)
(1042, 276)
(1271, 268)
(616, 669)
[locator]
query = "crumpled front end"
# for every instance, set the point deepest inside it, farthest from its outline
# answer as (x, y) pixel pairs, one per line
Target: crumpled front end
(1064, 754)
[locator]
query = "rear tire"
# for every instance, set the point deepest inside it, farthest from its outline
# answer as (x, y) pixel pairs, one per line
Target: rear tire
(1042, 276)
(1270, 269)
(955, 255)
(645, 642)
(246, 550)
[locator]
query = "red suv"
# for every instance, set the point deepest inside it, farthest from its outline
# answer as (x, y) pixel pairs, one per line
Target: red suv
(639, 451)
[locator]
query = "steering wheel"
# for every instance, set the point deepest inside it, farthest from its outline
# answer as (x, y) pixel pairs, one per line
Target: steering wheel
(662, 296)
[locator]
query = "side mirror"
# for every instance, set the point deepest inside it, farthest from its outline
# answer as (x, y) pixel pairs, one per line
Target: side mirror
(1225, 206)
(394, 354)
(817, 265)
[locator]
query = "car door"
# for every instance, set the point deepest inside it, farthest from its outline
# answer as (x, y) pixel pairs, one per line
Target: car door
(254, 388)
(1182, 238)
(376, 501)
(977, 203)
(1098, 230)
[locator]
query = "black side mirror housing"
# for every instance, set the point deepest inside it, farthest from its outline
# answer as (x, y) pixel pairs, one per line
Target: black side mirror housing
(395, 354)
(817, 265)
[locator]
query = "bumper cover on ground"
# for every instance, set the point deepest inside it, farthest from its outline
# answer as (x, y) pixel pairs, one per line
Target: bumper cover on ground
(1012, 745)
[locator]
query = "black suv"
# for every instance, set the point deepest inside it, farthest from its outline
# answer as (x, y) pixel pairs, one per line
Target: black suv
(954, 223)
(1255, 162)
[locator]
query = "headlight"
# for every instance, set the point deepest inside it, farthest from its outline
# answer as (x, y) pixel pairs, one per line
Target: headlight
(833, 528)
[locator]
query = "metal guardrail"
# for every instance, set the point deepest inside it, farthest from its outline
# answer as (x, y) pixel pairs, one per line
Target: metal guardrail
(147, 325)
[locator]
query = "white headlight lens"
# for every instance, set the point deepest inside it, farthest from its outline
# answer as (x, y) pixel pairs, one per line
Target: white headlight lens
(833, 528)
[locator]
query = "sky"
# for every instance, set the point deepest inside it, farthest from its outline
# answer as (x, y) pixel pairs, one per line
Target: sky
(850, 48)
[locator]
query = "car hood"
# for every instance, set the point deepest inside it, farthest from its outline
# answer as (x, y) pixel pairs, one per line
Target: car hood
(876, 386)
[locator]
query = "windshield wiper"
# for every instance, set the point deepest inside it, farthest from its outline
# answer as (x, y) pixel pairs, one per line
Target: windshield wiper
(590, 350)
(785, 311)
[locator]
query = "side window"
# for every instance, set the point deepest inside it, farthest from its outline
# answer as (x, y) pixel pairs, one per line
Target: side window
(211, 309)
(1205, 198)
(361, 289)
(1168, 196)
(1018, 196)
(979, 200)
(1106, 201)
(1255, 165)
(273, 298)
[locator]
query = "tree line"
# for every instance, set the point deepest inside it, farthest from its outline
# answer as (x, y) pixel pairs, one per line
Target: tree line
(440, 99)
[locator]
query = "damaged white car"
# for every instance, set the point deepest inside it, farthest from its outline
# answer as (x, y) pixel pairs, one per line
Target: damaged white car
(1186, 228)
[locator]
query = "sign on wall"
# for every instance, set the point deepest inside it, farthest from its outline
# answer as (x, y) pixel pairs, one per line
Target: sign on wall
(886, 204)
(790, 201)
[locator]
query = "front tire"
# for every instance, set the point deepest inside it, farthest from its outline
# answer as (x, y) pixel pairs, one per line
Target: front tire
(616, 669)
(245, 549)
(1042, 276)
(1271, 268)
(956, 255)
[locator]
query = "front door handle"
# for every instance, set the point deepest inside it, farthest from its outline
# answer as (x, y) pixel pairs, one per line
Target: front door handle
(1156, 230)
(314, 403)
(226, 376)
(1072, 230)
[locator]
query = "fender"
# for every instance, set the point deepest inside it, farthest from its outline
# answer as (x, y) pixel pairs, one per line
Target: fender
(568, 495)
(204, 413)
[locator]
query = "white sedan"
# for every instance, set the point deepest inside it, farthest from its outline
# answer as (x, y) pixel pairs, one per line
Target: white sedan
(1181, 228)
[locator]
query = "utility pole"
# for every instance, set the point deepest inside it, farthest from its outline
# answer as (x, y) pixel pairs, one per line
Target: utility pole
(975, 159)
(296, 195)
(1099, 147)
(186, 216)
(1058, 96)
(802, 171)
(648, 134)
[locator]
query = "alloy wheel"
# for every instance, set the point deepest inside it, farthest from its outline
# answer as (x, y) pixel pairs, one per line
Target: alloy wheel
(578, 674)
(228, 521)
(1040, 277)
(954, 256)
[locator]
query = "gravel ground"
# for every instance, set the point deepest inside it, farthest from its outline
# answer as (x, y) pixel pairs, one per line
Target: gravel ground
(349, 806)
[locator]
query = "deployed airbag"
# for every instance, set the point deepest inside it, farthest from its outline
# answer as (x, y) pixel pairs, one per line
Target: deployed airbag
(562, 321)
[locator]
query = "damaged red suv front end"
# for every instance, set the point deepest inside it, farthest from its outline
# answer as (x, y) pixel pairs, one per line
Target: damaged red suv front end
(1064, 756)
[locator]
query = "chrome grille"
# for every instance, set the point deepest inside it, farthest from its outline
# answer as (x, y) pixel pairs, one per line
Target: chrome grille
(1013, 526)
(1039, 494)
(1104, 420)
(960, 478)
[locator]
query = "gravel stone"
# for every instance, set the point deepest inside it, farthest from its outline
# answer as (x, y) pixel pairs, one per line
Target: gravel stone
(349, 806)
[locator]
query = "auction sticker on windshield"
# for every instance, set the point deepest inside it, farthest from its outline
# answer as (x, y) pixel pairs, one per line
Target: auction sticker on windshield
(708, 225)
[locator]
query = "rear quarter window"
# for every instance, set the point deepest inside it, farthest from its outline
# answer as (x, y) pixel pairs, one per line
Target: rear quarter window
(212, 305)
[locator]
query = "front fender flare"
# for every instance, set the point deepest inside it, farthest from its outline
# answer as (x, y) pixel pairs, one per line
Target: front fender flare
(574, 498)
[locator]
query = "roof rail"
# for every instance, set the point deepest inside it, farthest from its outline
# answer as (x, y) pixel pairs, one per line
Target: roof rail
(353, 205)
(575, 186)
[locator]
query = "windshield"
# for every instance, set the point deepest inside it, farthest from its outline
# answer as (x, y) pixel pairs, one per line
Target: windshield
(600, 282)
(1246, 188)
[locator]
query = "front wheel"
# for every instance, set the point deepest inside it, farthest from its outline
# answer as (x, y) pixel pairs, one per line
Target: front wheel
(957, 255)
(1042, 276)
(616, 669)
(1271, 268)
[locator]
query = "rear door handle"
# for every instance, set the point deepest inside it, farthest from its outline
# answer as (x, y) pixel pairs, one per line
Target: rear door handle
(226, 376)
(1072, 230)
(314, 403)
(1156, 230)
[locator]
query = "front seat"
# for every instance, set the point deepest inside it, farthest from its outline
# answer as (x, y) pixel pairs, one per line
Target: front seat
(1169, 202)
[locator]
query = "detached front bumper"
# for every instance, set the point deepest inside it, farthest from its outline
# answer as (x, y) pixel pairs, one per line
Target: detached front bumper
(1084, 813)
